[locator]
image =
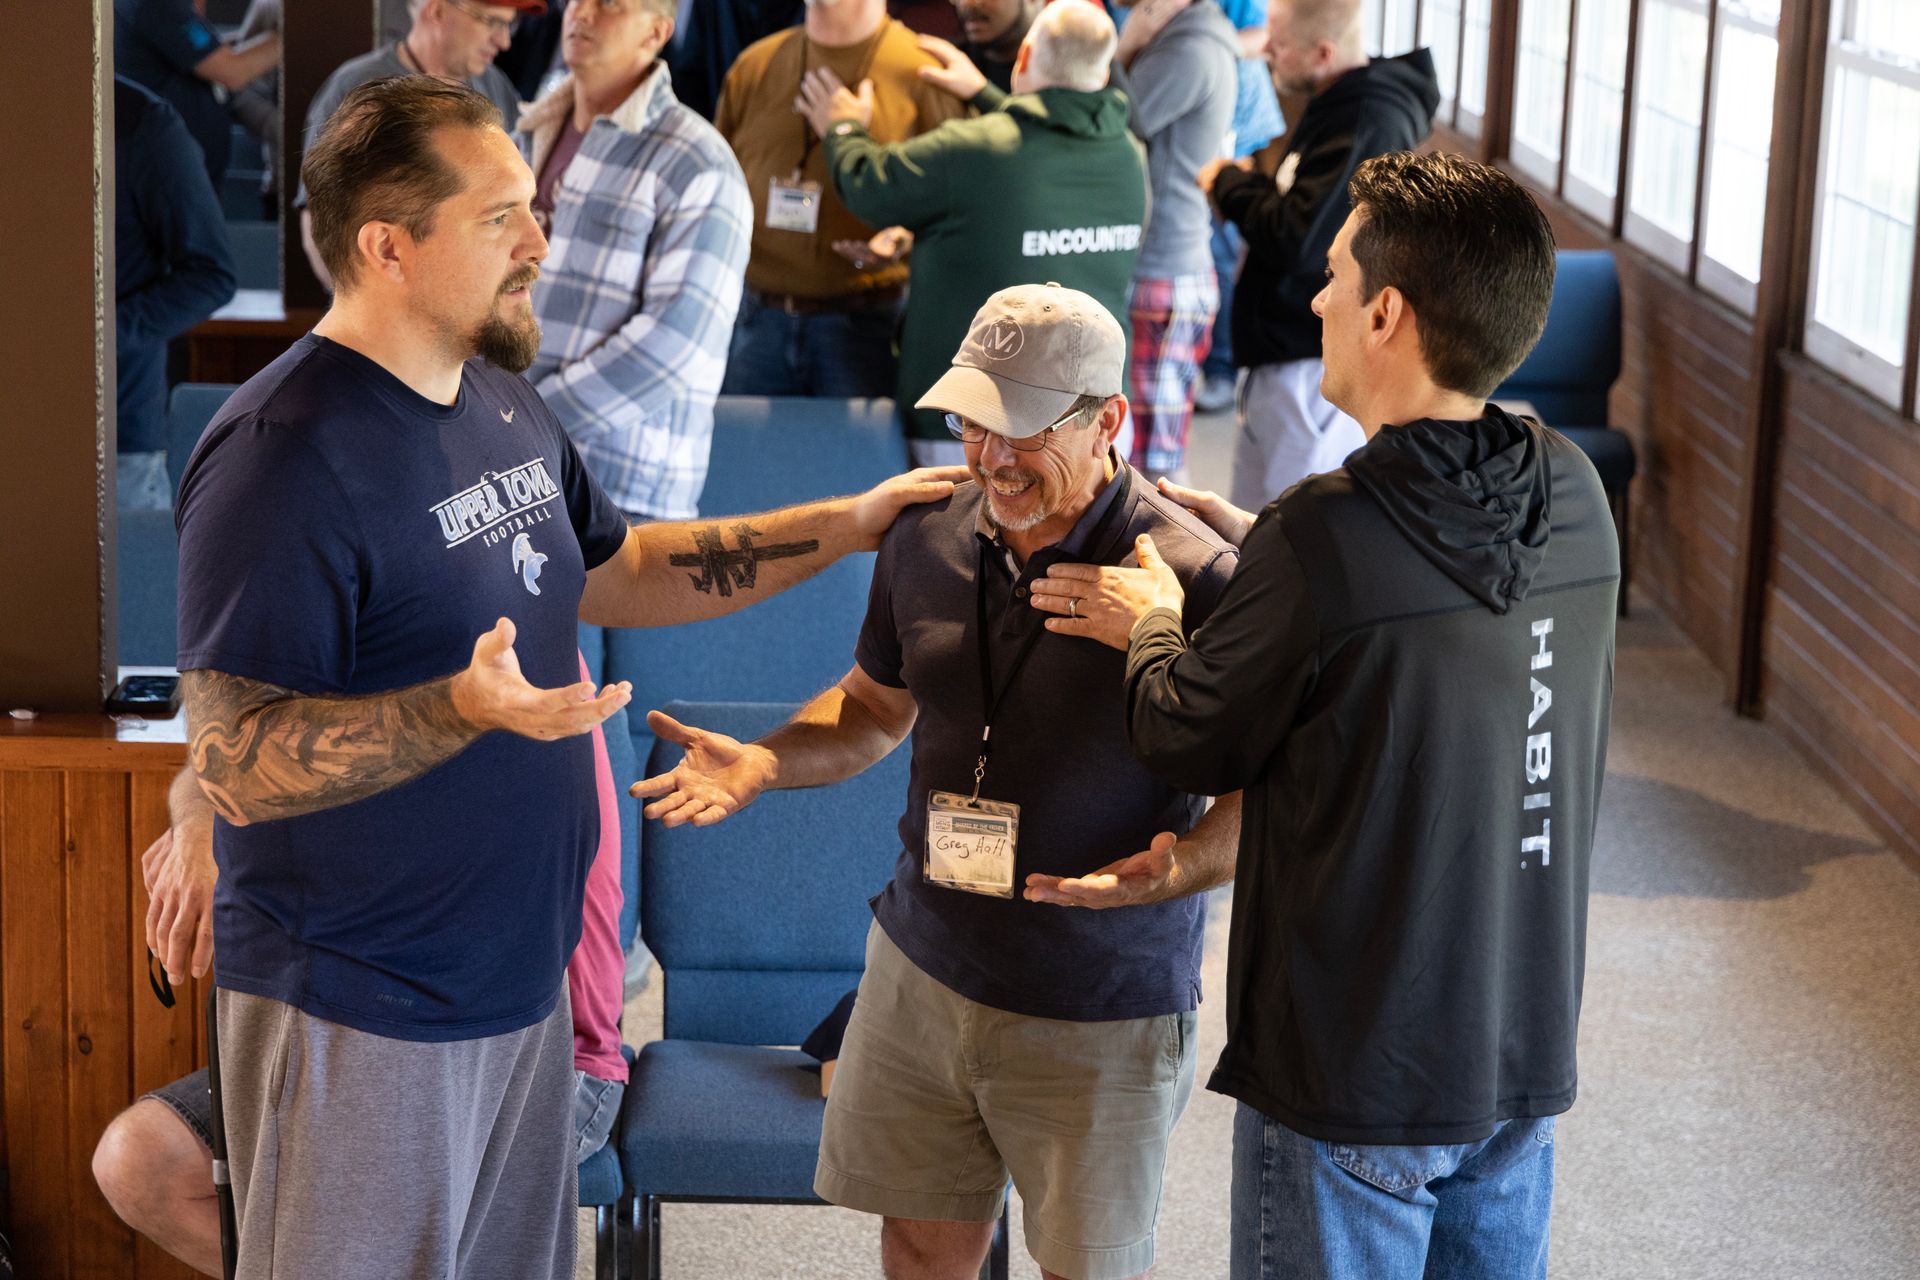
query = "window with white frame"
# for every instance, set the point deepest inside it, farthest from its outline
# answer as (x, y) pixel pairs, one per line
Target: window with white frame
(1869, 187)
(1389, 26)
(1669, 96)
(1739, 138)
(1597, 106)
(1440, 33)
(1540, 88)
(1476, 37)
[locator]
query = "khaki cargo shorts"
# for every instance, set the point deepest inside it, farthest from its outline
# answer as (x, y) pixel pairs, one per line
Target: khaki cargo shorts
(938, 1100)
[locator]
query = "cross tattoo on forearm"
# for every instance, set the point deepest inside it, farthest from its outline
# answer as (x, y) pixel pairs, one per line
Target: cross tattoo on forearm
(722, 570)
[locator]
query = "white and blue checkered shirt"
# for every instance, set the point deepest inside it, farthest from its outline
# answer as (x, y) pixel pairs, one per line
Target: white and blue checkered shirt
(651, 227)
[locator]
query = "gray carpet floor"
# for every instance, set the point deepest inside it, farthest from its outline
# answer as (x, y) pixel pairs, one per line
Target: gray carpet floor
(1750, 1041)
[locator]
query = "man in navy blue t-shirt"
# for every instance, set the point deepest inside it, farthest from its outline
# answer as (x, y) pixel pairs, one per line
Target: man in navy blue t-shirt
(408, 814)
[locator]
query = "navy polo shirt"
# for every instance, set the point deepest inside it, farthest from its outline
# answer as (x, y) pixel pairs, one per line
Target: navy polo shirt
(1060, 752)
(342, 535)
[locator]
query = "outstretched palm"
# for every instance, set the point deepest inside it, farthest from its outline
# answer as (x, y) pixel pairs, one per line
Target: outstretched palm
(719, 777)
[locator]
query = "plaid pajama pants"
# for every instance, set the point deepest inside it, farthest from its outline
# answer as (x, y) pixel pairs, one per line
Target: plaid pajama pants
(1172, 331)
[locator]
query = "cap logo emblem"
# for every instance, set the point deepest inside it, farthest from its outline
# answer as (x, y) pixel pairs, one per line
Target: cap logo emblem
(1001, 340)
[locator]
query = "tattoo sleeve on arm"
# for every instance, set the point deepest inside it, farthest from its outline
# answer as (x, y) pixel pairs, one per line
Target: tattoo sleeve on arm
(263, 752)
(723, 570)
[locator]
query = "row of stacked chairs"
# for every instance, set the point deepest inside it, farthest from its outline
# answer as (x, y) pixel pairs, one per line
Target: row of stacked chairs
(758, 924)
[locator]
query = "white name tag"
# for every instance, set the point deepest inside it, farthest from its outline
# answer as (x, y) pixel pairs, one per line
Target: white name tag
(970, 843)
(794, 205)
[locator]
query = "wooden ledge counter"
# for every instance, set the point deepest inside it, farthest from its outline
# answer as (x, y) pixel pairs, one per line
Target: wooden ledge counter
(81, 1033)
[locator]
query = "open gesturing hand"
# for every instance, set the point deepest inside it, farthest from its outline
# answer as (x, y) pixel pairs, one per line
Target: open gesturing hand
(492, 693)
(719, 777)
(1152, 875)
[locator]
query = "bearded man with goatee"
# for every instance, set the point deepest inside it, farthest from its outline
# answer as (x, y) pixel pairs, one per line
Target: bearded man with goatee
(406, 815)
(994, 1038)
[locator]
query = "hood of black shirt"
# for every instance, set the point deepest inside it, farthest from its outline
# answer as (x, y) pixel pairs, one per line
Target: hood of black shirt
(1101, 113)
(1407, 85)
(1473, 497)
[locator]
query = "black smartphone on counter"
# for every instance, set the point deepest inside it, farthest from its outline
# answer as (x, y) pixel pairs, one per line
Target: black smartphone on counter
(145, 696)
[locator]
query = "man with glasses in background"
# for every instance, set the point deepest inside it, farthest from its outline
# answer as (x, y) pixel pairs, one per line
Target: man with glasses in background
(993, 1037)
(455, 40)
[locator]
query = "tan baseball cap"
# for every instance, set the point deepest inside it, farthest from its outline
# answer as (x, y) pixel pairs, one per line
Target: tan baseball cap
(1032, 351)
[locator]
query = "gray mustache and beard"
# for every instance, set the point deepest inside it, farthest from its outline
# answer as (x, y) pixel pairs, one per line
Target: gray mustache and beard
(509, 344)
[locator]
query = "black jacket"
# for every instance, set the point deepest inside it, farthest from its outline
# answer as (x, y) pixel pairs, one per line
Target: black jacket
(1410, 674)
(1289, 221)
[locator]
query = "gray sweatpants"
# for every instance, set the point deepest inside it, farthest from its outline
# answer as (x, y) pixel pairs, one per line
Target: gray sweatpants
(358, 1155)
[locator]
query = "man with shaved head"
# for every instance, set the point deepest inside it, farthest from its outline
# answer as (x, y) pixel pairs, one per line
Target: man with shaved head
(1356, 109)
(1045, 185)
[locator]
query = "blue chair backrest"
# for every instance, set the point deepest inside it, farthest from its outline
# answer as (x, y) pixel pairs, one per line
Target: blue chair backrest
(769, 453)
(190, 407)
(149, 589)
(760, 922)
(256, 253)
(626, 771)
(1568, 375)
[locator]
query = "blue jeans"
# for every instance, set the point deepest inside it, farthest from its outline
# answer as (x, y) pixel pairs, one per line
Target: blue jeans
(1310, 1210)
(840, 355)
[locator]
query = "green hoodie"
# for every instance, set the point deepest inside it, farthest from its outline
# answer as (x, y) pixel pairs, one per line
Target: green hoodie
(1048, 187)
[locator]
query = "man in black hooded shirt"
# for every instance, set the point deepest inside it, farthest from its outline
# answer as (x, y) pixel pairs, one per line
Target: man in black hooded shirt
(1356, 109)
(1410, 675)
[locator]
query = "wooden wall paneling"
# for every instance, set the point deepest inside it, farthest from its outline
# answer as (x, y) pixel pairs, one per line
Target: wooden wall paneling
(1566, 94)
(1704, 149)
(1801, 697)
(39, 1149)
(1617, 229)
(1503, 53)
(6, 1159)
(162, 1046)
(1786, 254)
(97, 863)
(1840, 670)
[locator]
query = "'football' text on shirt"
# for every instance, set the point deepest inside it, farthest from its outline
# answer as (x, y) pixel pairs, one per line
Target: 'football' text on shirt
(505, 495)
(1121, 237)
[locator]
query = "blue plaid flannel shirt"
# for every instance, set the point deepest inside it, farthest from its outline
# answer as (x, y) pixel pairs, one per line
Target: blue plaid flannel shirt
(637, 297)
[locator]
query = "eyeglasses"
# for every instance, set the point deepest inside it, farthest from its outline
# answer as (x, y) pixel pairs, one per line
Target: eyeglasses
(501, 26)
(969, 432)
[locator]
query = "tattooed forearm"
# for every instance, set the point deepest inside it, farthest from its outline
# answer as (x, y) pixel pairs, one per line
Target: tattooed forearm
(723, 570)
(262, 752)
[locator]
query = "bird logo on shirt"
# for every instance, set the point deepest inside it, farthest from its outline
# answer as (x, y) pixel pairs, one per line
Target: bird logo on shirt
(527, 562)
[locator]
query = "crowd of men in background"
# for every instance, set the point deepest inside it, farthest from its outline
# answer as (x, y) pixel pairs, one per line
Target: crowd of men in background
(796, 197)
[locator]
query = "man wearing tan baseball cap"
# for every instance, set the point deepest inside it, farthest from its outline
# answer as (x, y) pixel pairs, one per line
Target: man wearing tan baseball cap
(994, 1037)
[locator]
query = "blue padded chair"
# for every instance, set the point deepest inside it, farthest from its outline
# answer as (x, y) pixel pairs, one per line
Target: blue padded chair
(190, 407)
(149, 589)
(256, 253)
(768, 453)
(1569, 373)
(759, 924)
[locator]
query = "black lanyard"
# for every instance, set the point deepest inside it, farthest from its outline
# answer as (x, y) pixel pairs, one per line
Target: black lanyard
(991, 699)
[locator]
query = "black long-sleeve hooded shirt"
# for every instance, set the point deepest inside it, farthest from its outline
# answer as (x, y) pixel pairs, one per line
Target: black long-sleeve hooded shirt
(1289, 221)
(1410, 674)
